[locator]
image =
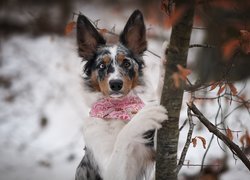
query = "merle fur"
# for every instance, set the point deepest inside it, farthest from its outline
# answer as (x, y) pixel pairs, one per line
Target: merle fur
(88, 169)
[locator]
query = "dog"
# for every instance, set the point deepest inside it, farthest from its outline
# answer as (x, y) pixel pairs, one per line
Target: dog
(119, 134)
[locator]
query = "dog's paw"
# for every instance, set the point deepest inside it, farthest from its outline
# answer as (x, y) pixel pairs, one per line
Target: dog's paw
(153, 115)
(149, 118)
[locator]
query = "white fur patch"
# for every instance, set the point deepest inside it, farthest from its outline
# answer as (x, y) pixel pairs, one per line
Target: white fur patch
(116, 74)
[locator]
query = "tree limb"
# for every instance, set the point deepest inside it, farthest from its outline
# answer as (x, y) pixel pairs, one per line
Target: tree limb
(188, 141)
(212, 128)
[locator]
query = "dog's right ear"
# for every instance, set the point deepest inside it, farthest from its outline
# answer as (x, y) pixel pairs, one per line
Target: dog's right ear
(88, 38)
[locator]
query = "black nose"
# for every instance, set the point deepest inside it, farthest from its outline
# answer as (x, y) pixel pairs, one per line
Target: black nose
(116, 85)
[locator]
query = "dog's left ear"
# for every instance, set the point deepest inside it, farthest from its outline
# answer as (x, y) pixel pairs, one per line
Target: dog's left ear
(134, 33)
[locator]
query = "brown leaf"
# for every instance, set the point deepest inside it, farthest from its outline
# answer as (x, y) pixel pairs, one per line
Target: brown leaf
(232, 88)
(213, 86)
(176, 79)
(222, 88)
(194, 141)
(164, 5)
(245, 138)
(229, 134)
(69, 27)
(103, 31)
(184, 72)
(203, 140)
(229, 47)
(242, 138)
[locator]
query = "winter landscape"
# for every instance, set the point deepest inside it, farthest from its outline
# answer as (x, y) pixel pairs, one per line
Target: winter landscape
(43, 101)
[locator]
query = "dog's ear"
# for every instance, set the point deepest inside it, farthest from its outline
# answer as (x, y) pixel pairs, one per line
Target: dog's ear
(88, 38)
(134, 33)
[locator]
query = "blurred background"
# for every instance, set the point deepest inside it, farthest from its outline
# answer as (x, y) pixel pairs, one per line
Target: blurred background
(43, 100)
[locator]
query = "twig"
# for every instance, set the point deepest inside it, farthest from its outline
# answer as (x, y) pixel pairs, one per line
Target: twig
(232, 146)
(200, 165)
(224, 129)
(212, 138)
(201, 45)
(205, 154)
(188, 141)
(182, 126)
(154, 53)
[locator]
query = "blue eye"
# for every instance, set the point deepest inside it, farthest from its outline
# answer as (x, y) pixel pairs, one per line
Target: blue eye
(101, 66)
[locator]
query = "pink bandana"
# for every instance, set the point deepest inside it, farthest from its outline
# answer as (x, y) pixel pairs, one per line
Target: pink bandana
(111, 108)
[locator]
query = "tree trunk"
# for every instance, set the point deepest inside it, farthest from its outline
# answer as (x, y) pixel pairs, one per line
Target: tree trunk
(168, 135)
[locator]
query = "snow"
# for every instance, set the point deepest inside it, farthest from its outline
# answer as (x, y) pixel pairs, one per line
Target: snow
(41, 111)
(46, 83)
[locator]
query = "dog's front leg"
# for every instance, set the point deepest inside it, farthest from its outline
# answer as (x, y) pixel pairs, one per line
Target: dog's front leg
(130, 154)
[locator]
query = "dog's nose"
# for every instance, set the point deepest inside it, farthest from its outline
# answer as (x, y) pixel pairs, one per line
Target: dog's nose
(116, 85)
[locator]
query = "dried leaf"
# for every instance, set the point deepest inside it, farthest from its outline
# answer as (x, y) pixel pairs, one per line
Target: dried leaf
(176, 79)
(229, 47)
(247, 139)
(229, 134)
(194, 142)
(175, 17)
(183, 72)
(242, 138)
(233, 89)
(103, 31)
(164, 5)
(180, 75)
(222, 88)
(213, 86)
(203, 140)
(69, 27)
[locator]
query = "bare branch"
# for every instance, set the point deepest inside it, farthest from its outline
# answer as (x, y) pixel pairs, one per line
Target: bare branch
(182, 126)
(212, 138)
(188, 141)
(232, 146)
(205, 154)
(201, 45)
(201, 165)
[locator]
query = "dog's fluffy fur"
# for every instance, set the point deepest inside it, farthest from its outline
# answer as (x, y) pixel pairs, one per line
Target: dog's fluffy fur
(115, 149)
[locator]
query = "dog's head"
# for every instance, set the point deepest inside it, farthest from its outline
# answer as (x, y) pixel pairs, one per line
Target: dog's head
(113, 69)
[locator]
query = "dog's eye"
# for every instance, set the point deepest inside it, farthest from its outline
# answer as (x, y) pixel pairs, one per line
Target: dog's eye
(126, 64)
(101, 66)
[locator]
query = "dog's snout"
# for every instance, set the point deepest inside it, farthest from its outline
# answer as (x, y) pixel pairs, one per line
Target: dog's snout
(116, 85)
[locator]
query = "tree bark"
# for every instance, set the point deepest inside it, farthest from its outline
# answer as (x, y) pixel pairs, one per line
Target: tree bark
(168, 135)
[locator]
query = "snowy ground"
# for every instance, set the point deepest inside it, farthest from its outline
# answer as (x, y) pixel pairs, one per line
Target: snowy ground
(43, 103)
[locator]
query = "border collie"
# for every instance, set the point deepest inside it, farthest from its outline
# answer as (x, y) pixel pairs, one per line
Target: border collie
(119, 134)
